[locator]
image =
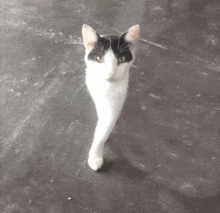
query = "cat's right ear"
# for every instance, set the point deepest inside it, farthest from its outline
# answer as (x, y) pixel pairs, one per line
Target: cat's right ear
(90, 37)
(132, 33)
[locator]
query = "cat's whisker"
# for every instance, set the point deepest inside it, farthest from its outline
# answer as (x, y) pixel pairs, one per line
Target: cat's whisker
(79, 77)
(118, 42)
(110, 42)
(123, 46)
(77, 91)
(121, 50)
(125, 51)
(83, 65)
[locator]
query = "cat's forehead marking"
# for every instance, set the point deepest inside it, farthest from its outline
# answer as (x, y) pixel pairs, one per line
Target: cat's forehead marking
(109, 42)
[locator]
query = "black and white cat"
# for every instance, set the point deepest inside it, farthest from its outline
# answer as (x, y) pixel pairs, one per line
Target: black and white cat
(108, 60)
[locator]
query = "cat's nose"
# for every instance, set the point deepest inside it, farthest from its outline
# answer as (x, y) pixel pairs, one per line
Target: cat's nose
(110, 76)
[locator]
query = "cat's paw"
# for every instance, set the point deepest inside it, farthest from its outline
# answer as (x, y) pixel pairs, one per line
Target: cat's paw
(95, 162)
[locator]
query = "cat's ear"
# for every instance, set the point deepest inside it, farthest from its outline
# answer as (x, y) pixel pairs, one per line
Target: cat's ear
(132, 34)
(90, 37)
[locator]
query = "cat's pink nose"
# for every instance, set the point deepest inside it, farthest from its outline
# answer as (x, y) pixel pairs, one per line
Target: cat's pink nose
(110, 77)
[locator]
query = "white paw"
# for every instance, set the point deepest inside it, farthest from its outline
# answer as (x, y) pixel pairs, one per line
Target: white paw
(95, 162)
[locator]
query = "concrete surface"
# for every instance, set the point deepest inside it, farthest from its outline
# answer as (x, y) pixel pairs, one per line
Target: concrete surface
(164, 154)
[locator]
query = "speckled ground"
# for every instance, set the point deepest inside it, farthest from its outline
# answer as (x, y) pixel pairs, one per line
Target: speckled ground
(164, 154)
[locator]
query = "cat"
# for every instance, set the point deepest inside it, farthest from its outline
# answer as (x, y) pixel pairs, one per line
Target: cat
(108, 60)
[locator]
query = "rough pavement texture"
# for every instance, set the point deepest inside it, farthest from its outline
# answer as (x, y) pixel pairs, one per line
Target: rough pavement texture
(164, 154)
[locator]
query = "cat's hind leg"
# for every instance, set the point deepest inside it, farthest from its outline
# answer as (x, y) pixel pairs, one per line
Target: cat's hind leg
(103, 130)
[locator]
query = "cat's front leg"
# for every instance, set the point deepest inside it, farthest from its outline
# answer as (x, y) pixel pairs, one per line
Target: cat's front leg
(103, 130)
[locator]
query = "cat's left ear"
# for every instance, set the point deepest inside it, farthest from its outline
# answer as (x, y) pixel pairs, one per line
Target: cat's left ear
(90, 37)
(132, 34)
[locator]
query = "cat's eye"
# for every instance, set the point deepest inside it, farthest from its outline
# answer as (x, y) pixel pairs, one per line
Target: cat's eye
(121, 59)
(99, 59)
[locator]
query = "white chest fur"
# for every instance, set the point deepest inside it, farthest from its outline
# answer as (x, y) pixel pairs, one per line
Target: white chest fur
(108, 96)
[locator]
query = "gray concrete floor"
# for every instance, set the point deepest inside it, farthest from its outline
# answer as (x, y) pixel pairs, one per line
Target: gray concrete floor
(163, 156)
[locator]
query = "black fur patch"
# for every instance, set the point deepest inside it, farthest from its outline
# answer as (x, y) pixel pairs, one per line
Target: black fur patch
(119, 46)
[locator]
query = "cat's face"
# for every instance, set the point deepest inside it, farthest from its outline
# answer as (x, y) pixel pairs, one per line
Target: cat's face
(109, 56)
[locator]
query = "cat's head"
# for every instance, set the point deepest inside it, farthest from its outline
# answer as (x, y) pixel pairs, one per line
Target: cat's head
(109, 56)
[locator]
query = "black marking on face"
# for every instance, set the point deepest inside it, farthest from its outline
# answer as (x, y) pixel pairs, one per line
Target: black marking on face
(119, 46)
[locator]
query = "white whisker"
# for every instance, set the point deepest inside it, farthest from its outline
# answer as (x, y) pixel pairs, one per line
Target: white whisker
(122, 49)
(118, 42)
(123, 46)
(110, 42)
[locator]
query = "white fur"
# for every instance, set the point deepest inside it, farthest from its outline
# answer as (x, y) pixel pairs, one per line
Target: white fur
(107, 83)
